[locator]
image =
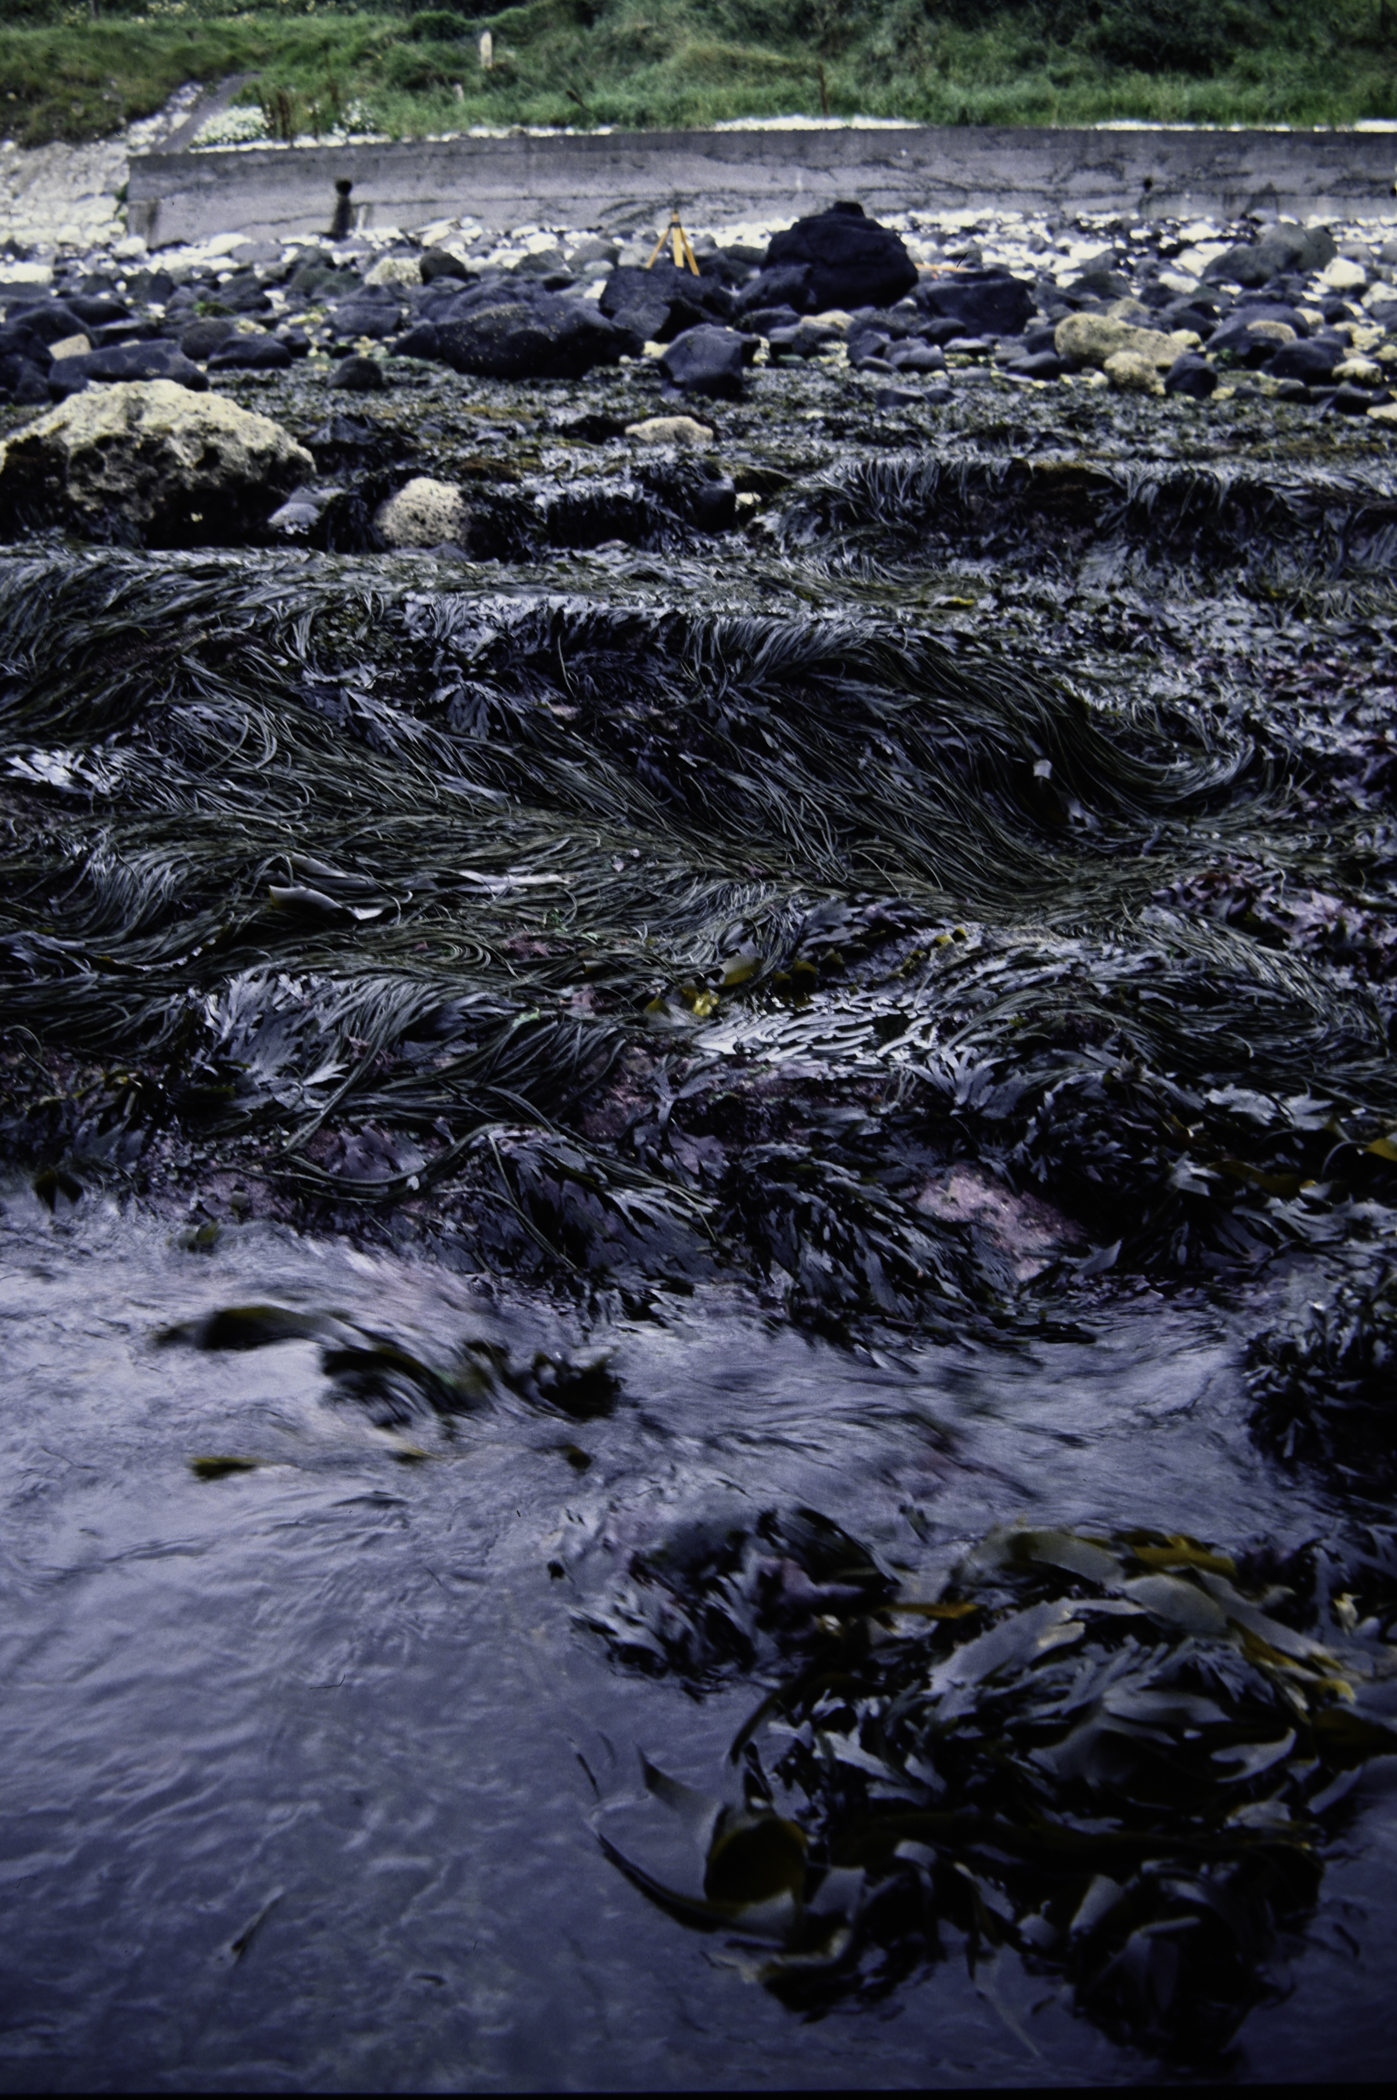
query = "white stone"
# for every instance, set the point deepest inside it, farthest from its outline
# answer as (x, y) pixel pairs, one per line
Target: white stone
(129, 248)
(423, 514)
(1342, 275)
(671, 430)
(396, 269)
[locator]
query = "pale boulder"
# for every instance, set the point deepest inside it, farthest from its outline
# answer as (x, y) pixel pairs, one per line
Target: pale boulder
(178, 466)
(425, 513)
(1359, 371)
(671, 430)
(1343, 275)
(1130, 373)
(1093, 338)
(396, 269)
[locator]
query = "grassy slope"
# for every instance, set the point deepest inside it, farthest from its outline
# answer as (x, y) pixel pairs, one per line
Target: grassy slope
(673, 62)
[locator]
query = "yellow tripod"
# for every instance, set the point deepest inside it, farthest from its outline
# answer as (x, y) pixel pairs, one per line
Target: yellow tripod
(675, 234)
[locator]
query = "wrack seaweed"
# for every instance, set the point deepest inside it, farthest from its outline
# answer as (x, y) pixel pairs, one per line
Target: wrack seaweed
(1116, 1757)
(620, 944)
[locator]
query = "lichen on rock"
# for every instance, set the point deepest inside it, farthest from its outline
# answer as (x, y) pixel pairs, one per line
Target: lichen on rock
(171, 464)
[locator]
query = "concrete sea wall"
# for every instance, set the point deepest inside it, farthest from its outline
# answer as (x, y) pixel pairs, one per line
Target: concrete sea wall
(619, 180)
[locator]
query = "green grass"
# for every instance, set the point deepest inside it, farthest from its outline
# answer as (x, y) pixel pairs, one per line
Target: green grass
(68, 73)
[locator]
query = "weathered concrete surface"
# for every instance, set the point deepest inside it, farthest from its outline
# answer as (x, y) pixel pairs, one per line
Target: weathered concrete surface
(621, 180)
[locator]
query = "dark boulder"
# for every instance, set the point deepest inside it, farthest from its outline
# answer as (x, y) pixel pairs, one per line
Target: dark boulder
(1041, 364)
(1192, 376)
(853, 261)
(787, 286)
(201, 338)
(916, 357)
(250, 353)
(980, 302)
(373, 313)
(659, 303)
(1357, 400)
(423, 340)
(543, 337)
(436, 262)
(359, 375)
(157, 360)
(96, 312)
(1311, 361)
(1101, 282)
(22, 382)
(1283, 249)
(707, 360)
(51, 322)
(242, 294)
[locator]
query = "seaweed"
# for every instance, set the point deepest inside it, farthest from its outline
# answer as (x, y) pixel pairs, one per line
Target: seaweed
(1116, 1756)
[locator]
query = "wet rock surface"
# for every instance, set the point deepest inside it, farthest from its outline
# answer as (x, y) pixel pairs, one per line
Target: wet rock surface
(799, 994)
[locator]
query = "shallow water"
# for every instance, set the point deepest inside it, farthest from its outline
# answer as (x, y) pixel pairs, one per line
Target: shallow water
(294, 1759)
(911, 979)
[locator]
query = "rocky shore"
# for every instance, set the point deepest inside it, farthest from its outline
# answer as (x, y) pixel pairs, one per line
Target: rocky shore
(923, 313)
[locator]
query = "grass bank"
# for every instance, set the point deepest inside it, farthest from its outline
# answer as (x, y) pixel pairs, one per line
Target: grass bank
(80, 71)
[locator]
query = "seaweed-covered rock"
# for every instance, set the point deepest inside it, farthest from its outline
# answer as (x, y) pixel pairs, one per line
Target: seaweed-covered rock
(706, 360)
(852, 260)
(359, 375)
(171, 464)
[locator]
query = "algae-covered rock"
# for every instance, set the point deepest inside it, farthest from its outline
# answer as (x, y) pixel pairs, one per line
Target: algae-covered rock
(1132, 373)
(1093, 338)
(423, 514)
(173, 464)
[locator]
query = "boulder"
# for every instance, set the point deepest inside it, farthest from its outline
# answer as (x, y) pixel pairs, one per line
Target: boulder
(125, 361)
(1311, 361)
(250, 353)
(980, 302)
(657, 304)
(440, 262)
(1092, 338)
(1283, 249)
(175, 466)
(541, 337)
(359, 375)
(1344, 275)
(671, 430)
(1251, 342)
(1040, 364)
(405, 270)
(707, 360)
(22, 382)
(1359, 371)
(1192, 376)
(201, 338)
(425, 513)
(785, 289)
(1130, 372)
(852, 260)
(373, 316)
